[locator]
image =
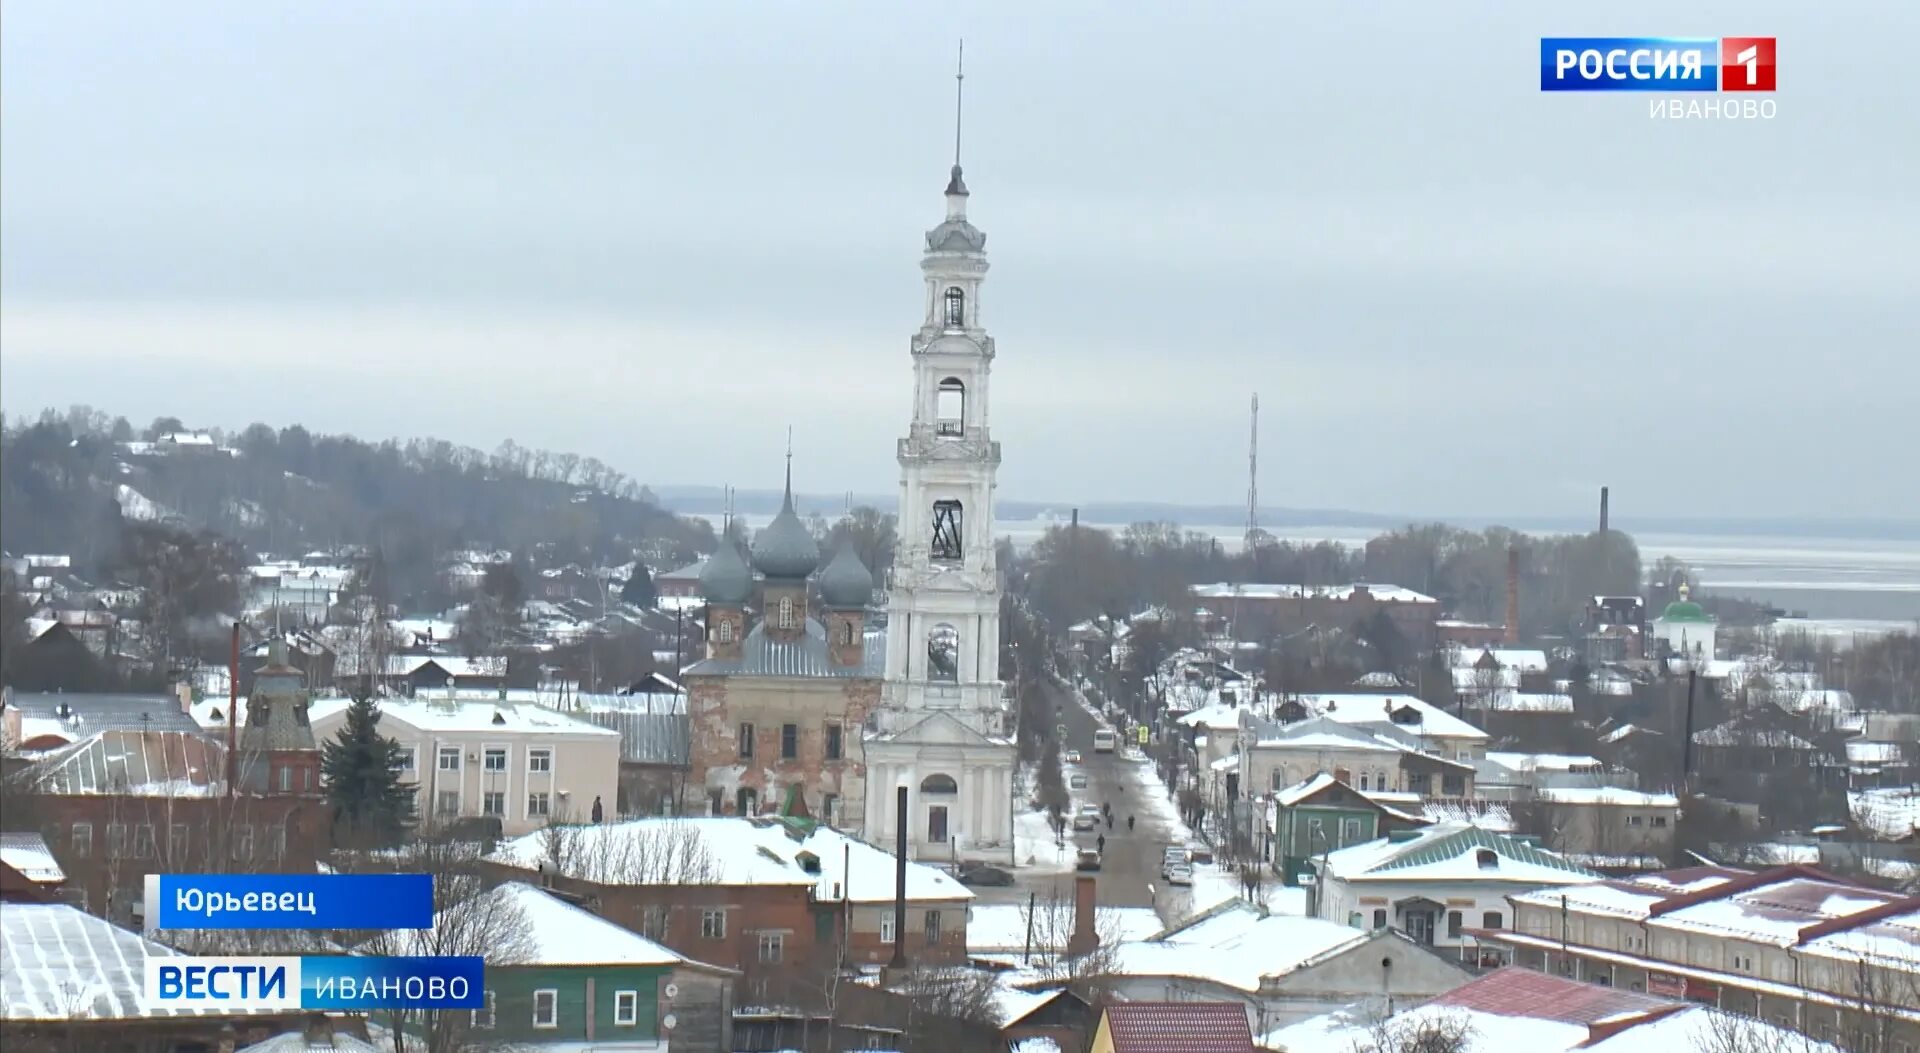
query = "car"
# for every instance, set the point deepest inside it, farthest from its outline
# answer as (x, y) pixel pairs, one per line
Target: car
(1180, 875)
(1173, 854)
(1072, 757)
(1077, 782)
(985, 876)
(1084, 821)
(1087, 860)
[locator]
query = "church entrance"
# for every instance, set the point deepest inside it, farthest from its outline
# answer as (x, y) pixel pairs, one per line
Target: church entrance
(937, 824)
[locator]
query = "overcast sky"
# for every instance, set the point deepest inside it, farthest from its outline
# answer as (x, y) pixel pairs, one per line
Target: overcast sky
(660, 233)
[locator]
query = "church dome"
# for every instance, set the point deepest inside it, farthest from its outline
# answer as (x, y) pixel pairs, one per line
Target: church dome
(846, 583)
(786, 549)
(725, 579)
(1684, 609)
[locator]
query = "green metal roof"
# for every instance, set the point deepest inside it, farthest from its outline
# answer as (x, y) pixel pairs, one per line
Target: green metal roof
(1442, 849)
(1684, 611)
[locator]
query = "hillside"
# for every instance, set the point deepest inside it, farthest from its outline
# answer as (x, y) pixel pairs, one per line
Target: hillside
(71, 483)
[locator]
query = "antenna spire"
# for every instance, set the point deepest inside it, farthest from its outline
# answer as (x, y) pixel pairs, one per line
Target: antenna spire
(956, 186)
(789, 462)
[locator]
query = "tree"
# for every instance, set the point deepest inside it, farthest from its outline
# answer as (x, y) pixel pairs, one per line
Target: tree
(371, 805)
(1419, 1033)
(189, 582)
(874, 535)
(639, 590)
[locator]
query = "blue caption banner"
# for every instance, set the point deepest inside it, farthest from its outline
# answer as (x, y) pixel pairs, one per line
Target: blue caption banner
(289, 901)
(314, 982)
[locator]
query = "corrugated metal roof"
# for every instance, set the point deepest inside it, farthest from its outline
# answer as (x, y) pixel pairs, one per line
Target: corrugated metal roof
(1522, 992)
(647, 738)
(106, 712)
(1179, 1027)
(761, 655)
(63, 963)
(1450, 846)
(135, 764)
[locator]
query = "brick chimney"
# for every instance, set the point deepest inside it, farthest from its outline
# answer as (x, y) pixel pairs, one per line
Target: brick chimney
(1512, 635)
(1084, 939)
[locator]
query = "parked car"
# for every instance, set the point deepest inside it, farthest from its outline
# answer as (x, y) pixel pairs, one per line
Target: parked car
(1180, 874)
(1085, 820)
(1088, 860)
(985, 876)
(1072, 757)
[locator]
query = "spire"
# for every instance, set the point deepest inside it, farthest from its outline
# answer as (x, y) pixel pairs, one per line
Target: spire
(957, 186)
(786, 503)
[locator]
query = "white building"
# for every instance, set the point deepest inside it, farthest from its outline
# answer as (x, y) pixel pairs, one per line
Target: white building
(1686, 628)
(1436, 883)
(943, 728)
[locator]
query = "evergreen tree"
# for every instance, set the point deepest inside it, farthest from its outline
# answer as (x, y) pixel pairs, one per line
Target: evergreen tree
(371, 805)
(639, 588)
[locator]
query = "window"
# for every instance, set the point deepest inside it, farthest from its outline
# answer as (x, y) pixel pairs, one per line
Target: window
(1349, 831)
(1660, 821)
(143, 841)
(946, 532)
(653, 922)
(243, 841)
(403, 758)
(1491, 920)
(493, 802)
(82, 840)
(1455, 921)
(446, 802)
(179, 844)
(785, 620)
(286, 777)
(484, 1018)
(626, 1008)
(1353, 919)
(933, 927)
(713, 924)
(1379, 919)
(943, 654)
(1633, 820)
(886, 926)
(540, 761)
(846, 633)
(772, 946)
(746, 740)
(546, 1008)
(716, 803)
(833, 741)
(116, 840)
(1364, 780)
(956, 308)
(950, 407)
(723, 632)
(449, 758)
(830, 808)
(1273, 780)
(789, 741)
(537, 805)
(495, 759)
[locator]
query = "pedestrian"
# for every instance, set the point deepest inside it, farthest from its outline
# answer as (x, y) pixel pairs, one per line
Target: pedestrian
(1109, 821)
(1129, 824)
(598, 813)
(1100, 843)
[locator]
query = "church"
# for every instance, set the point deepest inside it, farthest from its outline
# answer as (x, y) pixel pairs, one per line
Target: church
(803, 706)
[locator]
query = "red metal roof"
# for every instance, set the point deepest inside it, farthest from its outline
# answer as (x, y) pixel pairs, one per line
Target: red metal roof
(1514, 991)
(1179, 1027)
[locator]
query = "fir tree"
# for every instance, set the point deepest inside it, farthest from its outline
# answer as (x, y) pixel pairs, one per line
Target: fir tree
(639, 588)
(371, 805)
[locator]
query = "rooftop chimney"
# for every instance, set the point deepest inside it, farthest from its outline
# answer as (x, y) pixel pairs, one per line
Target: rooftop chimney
(1084, 939)
(1513, 595)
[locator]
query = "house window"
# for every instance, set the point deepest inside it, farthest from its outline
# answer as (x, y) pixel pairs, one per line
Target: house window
(746, 740)
(449, 758)
(846, 633)
(243, 841)
(179, 843)
(786, 612)
(956, 308)
(1273, 781)
(886, 926)
(1349, 831)
(653, 922)
(495, 759)
(833, 741)
(713, 924)
(1633, 820)
(82, 840)
(143, 841)
(716, 803)
(626, 1008)
(286, 778)
(116, 840)
(933, 927)
(724, 631)
(1353, 920)
(493, 802)
(403, 758)
(1455, 921)
(484, 1018)
(1379, 919)
(772, 946)
(1492, 920)
(446, 802)
(540, 761)
(789, 741)
(546, 1008)
(1365, 779)
(1660, 821)
(538, 805)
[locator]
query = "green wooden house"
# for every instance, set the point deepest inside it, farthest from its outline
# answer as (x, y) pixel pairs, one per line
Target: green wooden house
(1323, 814)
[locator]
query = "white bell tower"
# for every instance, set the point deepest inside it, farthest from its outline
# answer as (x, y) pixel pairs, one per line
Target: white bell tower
(942, 729)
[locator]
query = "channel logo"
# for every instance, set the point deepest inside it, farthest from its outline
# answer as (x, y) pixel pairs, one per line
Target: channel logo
(1660, 64)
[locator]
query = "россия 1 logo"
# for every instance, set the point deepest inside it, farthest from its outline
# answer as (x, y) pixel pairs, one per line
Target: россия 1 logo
(1665, 65)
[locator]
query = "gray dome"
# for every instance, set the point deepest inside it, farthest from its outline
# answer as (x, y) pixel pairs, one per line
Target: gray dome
(725, 579)
(786, 549)
(846, 582)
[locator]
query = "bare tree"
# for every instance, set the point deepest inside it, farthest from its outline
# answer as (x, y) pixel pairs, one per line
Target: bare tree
(1721, 1032)
(1419, 1033)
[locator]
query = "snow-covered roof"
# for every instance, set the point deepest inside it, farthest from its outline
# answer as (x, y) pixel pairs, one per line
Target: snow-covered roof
(1261, 591)
(432, 714)
(1521, 659)
(563, 934)
(1509, 701)
(65, 965)
(729, 851)
(1467, 678)
(1236, 948)
(1873, 753)
(1889, 813)
(1610, 795)
(27, 852)
(1488, 815)
(1558, 762)
(1452, 852)
(1303, 789)
(453, 665)
(1737, 732)
(135, 764)
(1216, 716)
(1003, 926)
(300, 1042)
(1372, 708)
(1803, 701)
